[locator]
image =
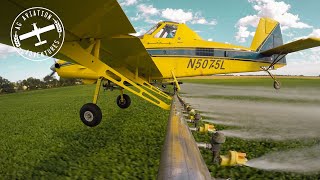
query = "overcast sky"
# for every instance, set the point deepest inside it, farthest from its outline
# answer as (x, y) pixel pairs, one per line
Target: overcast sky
(230, 21)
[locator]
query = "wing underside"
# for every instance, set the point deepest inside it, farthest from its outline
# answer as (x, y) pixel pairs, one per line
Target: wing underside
(85, 20)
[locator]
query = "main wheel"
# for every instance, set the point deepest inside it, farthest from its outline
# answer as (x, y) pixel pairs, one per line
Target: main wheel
(90, 114)
(125, 103)
(276, 85)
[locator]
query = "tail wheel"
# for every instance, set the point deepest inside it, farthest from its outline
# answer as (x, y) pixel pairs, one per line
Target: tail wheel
(125, 103)
(276, 84)
(90, 114)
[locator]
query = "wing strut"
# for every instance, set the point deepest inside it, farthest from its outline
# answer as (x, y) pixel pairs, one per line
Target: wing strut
(74, 51)
(143, 83)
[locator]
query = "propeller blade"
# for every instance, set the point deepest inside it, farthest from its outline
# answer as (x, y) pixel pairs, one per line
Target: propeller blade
(52, 73)
(53, 69)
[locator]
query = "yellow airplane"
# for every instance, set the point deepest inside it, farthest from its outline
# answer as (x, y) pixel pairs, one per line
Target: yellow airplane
(98, 48)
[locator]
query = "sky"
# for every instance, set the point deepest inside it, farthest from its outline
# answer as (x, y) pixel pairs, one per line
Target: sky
(228, 21)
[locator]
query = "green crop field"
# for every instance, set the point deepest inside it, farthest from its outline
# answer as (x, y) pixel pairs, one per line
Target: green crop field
(42, 136)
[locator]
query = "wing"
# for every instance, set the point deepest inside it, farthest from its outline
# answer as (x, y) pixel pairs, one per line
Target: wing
(27, 35)
(82, 20)
(293, 46)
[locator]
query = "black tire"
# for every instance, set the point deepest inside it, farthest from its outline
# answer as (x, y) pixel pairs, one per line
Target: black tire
(90, 114)
(126, 101)
(276, 85)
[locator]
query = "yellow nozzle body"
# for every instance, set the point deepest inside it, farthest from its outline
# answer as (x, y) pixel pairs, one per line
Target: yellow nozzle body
(207, 128)
(233, 158)
(192, 112)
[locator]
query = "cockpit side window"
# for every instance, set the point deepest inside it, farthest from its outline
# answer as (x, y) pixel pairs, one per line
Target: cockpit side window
(168, 31)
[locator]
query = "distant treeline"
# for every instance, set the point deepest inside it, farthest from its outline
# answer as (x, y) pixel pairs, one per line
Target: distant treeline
(32, 83)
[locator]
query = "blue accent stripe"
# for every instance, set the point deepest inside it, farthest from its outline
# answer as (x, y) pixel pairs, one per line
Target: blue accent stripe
(209, 52)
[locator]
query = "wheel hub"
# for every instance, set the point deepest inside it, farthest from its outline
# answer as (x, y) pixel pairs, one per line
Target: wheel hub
(122, 102)
(88, 116)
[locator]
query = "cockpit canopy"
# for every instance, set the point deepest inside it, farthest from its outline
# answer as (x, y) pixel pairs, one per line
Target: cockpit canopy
(171, 30)
(167, 31)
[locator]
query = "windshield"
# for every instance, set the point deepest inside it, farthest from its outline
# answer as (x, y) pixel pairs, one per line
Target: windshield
(153, 29)
(169, 31)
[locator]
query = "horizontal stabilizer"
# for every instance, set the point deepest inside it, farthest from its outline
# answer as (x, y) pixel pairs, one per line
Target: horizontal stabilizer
(293, 46)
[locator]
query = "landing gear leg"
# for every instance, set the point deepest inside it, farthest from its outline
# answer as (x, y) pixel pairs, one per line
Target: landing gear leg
(90, 113)
(276, 83)
(123, 100)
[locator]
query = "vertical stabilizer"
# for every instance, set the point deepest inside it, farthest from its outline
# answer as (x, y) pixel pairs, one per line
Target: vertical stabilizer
(268, 35)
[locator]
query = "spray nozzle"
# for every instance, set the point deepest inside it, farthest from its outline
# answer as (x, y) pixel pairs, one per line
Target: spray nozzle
(207, 128)
(234, 158)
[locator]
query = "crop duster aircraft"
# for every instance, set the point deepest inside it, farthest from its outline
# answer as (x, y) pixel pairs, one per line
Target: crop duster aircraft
(99, 49)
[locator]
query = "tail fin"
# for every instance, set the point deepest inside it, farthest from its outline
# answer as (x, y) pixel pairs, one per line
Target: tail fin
(268, 41)
(268, 35)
